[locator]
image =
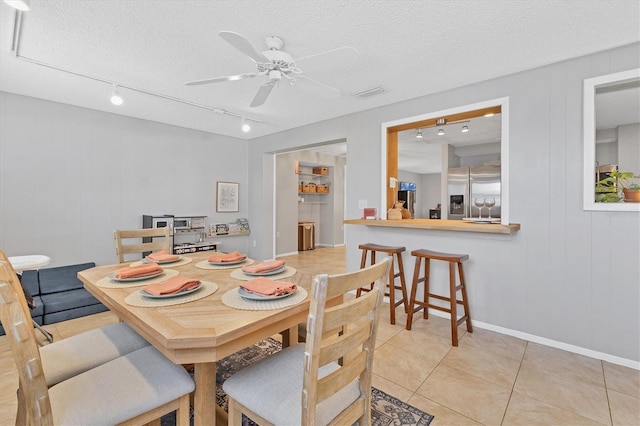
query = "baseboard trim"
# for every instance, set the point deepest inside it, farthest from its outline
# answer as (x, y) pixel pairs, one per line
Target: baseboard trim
(548, 342)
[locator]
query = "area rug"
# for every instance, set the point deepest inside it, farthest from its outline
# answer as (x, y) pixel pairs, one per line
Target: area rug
(386, 410)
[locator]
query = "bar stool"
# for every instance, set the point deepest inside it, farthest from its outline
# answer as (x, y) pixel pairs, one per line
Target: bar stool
(391, 251)
(453, 259)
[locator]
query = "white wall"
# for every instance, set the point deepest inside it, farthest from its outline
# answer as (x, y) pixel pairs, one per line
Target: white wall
(569, 275)
(69, 176)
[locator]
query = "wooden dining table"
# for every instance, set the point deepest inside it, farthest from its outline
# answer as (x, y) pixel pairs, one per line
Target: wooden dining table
(203, 331)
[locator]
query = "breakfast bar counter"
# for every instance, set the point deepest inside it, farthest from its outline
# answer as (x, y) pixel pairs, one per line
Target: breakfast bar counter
(439, 225)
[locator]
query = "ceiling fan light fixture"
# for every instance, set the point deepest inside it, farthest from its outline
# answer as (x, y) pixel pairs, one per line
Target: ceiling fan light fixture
(419, 134)
(116, 99)
(440, 131)
(465, 129)
(22, 5)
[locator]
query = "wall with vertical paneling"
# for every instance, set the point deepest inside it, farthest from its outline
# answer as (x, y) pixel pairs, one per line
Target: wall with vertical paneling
(570, 277)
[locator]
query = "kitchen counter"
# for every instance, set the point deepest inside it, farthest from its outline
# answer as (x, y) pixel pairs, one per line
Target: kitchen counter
(439, 225)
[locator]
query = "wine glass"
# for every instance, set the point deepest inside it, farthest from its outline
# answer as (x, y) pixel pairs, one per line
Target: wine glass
(489, 201)
(479, 203)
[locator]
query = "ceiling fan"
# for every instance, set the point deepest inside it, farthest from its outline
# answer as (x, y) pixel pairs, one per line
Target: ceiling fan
(277, 65)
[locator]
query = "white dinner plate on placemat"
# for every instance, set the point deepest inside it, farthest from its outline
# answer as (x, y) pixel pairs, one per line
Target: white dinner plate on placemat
(169, 296)
(233, 299)
(134, 279)
(107, 282)
(235, 262)
(253, 296)
(137, 299)
(286, 273)
(266, 274)
(171, 264)
(206, 265)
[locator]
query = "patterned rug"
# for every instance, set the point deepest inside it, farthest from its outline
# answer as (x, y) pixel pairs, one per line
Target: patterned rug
(386, 410)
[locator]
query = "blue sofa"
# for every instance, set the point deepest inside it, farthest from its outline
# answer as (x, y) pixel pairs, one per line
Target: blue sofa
(59, 295)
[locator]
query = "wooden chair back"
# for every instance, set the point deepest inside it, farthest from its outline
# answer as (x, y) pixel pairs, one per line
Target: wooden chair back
(149, 242)
(19, 328)
(343, 334)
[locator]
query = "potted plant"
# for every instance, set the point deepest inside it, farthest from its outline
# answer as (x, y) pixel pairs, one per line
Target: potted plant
(619, 186)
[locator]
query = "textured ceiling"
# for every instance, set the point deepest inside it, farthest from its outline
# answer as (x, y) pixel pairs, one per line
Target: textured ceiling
(410, 48)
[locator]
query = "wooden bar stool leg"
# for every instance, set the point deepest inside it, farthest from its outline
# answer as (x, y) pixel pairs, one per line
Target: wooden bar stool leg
(465, 303)
(363, 262)
(414, 288)
(453, 303)
(403, 284)
(427, 290)
(392, 292)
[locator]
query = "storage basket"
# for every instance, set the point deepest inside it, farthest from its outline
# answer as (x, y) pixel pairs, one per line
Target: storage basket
(323, 171)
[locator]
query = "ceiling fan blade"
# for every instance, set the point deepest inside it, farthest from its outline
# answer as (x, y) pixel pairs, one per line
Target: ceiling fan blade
(319, 89)
(263, 94)
(219, 79)
(243, 45)
(342, 57)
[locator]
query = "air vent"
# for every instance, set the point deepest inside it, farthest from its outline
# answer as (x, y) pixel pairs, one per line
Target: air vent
(369, 92)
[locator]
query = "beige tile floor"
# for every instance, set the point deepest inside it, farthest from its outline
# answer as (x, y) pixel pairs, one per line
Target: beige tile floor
(489, 378)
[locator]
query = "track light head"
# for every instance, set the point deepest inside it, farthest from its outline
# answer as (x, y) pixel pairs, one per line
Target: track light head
(116, 99)
(465, 129)
(245, 126)
(440, 131)
(419, 134)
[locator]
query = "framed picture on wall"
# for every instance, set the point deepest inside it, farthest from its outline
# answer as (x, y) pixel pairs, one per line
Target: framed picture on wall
(227, 197)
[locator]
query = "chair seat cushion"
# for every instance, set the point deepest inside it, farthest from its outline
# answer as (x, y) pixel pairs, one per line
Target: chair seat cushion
(119, 390)
(272, 388)
(69, 357)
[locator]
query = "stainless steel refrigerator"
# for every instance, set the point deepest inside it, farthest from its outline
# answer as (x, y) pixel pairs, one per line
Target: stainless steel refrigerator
(409, 198)
(465, 184)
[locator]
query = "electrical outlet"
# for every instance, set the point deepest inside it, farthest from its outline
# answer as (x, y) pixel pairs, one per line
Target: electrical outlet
(362, 204)
(278, 234)
(254, 243)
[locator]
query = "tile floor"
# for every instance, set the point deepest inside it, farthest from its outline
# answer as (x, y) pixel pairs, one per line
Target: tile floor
(489, 379)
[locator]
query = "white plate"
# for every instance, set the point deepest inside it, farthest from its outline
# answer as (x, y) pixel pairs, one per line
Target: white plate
(266, 274)
(253, 296)
(162, 262)
(235, 262)
(168, 296)
(129, 280)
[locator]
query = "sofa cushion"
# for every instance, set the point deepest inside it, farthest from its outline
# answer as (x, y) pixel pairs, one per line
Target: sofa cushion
(73, 313)
(29, 281)
(61, 278)
(63, 300)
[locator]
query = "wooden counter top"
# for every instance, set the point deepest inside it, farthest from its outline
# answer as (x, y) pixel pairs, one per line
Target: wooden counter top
(439, 225)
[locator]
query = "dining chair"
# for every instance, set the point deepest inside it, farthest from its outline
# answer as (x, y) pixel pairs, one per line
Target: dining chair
(148, 244)
(327, 380)
(73, 355)
(136, 388)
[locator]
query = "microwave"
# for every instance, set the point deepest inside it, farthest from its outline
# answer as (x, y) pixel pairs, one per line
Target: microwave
(180, 223)
(162, 222)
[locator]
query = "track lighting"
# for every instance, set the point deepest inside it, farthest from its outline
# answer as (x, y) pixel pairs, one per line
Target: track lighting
(440, 131)
(245, 126)
(116, 99)
(465, 129)
(419, 134)
(22, 5)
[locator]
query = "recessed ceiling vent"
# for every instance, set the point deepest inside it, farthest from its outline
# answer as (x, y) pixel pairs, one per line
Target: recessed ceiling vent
(369, 92)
